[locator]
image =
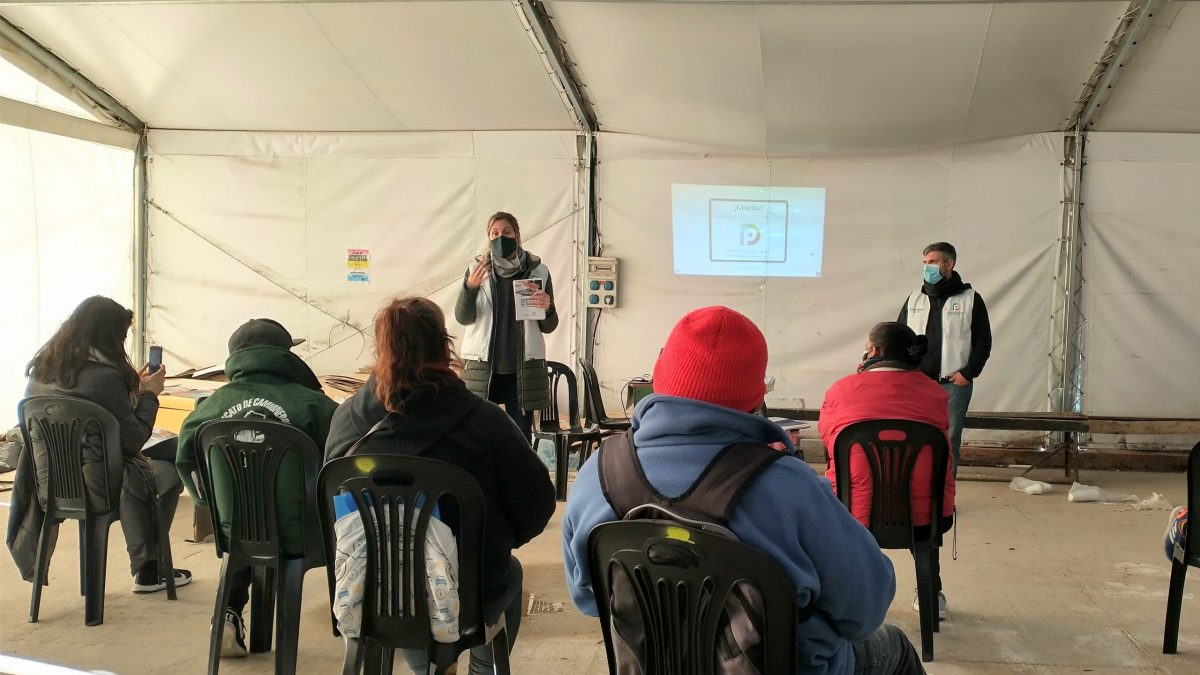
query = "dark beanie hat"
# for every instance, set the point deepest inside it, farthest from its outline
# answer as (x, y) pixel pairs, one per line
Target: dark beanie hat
(715, 355)
(259, 332)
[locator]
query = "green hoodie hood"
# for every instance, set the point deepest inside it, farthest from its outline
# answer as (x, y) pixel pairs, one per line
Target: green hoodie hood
(267, 363)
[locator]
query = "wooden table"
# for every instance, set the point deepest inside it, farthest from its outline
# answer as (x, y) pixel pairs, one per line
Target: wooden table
(1065, 426)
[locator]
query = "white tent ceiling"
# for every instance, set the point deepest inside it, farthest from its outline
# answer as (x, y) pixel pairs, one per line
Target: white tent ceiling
(307, 67)
(790, 78)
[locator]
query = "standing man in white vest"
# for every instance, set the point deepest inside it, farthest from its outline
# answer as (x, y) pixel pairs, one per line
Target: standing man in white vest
(952, 315)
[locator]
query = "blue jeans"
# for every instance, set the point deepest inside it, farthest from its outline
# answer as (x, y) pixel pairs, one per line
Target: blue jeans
(960, 399)
(481, 656)
(886, 652)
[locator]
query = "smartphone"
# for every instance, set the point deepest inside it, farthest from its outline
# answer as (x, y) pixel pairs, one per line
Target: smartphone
(155, 360)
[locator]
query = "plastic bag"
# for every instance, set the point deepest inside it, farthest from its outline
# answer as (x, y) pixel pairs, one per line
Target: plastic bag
(1029, 487)
(1092, 493)
(350, 571)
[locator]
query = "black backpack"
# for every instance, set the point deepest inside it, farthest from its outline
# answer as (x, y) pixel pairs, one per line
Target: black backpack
(706, 506)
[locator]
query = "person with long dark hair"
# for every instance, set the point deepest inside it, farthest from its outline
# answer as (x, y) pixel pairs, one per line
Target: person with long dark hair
(505, 359)
(890, 385)
(86, 358)
(432, 414)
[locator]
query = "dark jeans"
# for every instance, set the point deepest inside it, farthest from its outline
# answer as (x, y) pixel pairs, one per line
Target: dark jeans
(239, 588)
(960, 399)
(887, 652)
(142, 487)
(503, 391)
(481, 656)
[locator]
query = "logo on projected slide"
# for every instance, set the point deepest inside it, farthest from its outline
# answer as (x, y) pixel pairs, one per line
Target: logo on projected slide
(747, 230)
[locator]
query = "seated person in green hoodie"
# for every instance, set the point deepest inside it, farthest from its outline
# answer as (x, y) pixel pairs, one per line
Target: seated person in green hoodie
(267, 382)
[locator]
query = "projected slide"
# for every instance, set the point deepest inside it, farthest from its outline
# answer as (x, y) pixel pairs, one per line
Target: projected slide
(747, 231)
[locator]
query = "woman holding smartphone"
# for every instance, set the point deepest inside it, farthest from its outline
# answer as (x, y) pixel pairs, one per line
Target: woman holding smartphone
(86, 358)
(504, 357)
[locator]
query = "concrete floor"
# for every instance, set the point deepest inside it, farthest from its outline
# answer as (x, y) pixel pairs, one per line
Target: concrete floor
(1040, 586)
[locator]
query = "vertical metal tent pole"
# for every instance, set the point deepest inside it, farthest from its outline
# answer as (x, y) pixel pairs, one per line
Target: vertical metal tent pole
(1067, 354)
(552, 50)
(141, 247)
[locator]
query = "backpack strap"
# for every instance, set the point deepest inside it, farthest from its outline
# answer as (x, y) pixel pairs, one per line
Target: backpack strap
(621, 479)
(713, 495)
(723, 481)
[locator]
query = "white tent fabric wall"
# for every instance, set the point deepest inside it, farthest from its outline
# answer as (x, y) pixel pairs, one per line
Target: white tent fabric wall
(66, 231)
(244, 225)
(1142, 265)
(997, 201)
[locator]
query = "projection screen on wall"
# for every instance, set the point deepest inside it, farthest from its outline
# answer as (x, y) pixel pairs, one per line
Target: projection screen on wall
(725, 230)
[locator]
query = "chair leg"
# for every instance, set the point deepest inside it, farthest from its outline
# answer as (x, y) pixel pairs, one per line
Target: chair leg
(41, 568)
(287, 627)
(585, 451)
(560, 468)
(373, 659)
(500, 652)
(927, 599)
(97, 569)
(1174, 607)
(83, 557)
(352, 660)
(166, 564)
(217, 632)
(262, 609)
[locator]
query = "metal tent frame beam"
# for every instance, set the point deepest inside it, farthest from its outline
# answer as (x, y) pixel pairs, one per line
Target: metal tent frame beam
(538, 22)
(1067, 354)
(127, 120)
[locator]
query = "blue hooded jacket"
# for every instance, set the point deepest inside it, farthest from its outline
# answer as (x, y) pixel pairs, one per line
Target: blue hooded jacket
(789, 512)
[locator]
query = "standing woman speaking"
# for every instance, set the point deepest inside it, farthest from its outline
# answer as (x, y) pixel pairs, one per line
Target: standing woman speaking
(505, 359)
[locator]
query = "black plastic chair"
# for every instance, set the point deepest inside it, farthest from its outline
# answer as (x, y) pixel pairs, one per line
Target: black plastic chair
(681, 585)
(1186, 553)
(250, 452)
(54, 427)
(381, 486)
(892, 464)
(593, 403)
(550, 428)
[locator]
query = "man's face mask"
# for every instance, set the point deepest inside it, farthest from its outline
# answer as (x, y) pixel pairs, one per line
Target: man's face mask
(933, 274)
(503, 247)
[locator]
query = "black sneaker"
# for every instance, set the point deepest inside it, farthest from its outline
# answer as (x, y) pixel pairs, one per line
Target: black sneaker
(233, 640)
(149, 581)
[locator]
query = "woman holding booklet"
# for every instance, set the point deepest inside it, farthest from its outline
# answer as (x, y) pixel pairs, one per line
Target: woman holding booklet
(507, 305)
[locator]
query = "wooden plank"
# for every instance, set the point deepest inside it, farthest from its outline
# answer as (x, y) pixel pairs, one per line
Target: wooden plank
(1160, 427)
(1043, 421)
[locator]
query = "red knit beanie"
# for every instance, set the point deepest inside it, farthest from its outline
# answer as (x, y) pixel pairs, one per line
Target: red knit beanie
(715, 355)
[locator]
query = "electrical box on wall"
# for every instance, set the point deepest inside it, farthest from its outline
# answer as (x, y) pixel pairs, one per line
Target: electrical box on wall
(601, 289)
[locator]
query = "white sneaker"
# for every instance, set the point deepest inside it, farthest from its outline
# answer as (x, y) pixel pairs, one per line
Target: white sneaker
(233, 640)
(941, 614)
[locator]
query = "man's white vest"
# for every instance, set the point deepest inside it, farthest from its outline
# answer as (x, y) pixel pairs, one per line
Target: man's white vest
(477, 336)
(956, 326)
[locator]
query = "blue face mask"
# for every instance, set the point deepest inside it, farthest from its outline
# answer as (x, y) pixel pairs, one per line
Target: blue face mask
(932, 274)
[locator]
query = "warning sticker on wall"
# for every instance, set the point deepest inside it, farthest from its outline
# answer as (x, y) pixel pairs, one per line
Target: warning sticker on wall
(358, 263)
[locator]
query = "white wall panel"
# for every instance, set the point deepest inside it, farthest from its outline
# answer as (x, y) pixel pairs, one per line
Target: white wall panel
(65, 228)
(997, 201)
(275, 229)
(1142, 266)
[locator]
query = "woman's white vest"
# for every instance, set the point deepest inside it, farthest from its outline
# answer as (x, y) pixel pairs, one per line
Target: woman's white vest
(956, 326)
(477, 338)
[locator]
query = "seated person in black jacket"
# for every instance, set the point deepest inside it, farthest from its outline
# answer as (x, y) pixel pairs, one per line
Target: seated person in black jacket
(86, 358)
(436, 417)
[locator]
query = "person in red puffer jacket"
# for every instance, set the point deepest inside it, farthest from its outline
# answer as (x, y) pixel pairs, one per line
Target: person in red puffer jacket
(889, 386)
